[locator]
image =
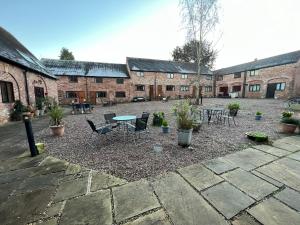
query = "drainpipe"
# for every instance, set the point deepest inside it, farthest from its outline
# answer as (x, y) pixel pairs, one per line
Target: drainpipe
(155, 97)
(26, 86)
(244, 84)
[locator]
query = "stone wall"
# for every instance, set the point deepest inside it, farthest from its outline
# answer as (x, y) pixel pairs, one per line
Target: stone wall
(15, 75)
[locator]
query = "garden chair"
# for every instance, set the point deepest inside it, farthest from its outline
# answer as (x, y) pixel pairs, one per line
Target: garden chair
(227, 117)
(99, 130)
(139, 127)
(109, 120)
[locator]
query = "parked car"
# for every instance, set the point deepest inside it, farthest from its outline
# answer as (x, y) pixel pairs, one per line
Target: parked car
(139, 99)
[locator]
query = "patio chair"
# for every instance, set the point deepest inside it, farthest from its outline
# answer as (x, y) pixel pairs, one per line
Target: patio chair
(227, 117)
(139, 127)
(99, 130)
(109, 120)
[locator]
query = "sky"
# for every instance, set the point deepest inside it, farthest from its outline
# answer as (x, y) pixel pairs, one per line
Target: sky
(111, 30)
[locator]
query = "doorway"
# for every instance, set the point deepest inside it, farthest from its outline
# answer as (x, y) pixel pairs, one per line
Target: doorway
(151, 92)
(223, 91)
(39, 92)
(159, 91)
(271, 88)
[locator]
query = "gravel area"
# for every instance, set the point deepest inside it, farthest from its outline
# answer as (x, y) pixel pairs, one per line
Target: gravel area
(123, 159)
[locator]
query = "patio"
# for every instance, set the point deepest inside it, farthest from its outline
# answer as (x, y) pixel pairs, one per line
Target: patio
(160, 153)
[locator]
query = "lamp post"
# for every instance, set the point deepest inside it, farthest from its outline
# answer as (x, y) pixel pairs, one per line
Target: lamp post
(30, 137)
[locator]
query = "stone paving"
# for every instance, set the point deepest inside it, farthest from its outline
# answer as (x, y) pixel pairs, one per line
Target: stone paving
(258, 185)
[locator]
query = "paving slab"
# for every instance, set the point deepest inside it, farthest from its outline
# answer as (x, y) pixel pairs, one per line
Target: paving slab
(53, 221)
(73, 169)
(20, 163)
(286, 146)
(7, 189)
(70, 189)
(199, 176)
(272, 150)
(92, 209)
(17, 175)
(227, 199)
(244, 219)
(249, 158)
(294, 140)
(54, 209)
(21, 209)
(133, 199)
(285, 171)
(157, 218)
(219, 165)
(103, 181)
(183, 204)
(250, 184)
(273, 212)
(289, 197)
(266, 178)
(295, 156)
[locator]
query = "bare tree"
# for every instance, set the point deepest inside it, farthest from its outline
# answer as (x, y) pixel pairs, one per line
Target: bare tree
(200, 18)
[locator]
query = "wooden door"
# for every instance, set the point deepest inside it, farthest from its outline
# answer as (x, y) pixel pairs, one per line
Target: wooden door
(159, 91)
(271, 90)
(93, 97)
(194, 91)
(81, 96)
(151, 92)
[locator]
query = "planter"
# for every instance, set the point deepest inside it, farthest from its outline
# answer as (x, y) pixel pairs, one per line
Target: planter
(233, 112)
(184, 137)
(42, 112)
(257, 136)
(258, 117)
(288, 128)
(58, 130)
(37, 112)
(157, 121)
(165, 130)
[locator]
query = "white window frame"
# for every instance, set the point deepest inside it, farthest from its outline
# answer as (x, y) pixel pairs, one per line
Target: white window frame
(170, 75)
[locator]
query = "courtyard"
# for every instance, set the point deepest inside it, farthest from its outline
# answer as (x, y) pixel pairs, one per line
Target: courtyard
(156, 152)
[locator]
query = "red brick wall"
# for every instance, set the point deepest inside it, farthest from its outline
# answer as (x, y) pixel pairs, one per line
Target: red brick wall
(15, 75)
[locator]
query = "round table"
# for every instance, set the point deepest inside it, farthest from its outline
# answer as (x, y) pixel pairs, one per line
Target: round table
(123, 120)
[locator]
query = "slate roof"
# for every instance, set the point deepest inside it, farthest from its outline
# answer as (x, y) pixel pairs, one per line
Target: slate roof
(155, 65)
(287, 58)
(84, 68)
(13, 51)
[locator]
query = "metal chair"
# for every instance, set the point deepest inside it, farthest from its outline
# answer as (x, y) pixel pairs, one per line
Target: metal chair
(99, 130)
(226, 116)
(109, 120)
(139, 127)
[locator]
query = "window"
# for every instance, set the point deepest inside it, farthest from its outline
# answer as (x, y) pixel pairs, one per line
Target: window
(71, 94)
(254, 88)
(120, 81)
(140, 74)
(170, 75)
(237, 75)
(184, 76)
(253, 72)
(140, 87)
(236, 88)
(170, 88)
(7, 92)
(120, 94)
(208, 89)
(101, 94)
(208, 77)
(184, 88)
(280, 86)
(73, 79)
(98, 80)
(220, 77)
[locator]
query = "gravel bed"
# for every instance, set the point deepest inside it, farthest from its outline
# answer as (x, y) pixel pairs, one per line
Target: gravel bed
(123, 159)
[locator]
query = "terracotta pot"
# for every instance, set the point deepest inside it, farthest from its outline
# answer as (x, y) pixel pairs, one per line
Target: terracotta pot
(58, 130)
(288, 128)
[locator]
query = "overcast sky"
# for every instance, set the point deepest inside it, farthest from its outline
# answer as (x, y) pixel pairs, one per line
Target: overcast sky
(108, 31)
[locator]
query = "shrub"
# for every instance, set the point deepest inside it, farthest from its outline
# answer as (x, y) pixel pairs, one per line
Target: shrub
(39, 103)
(18, 109)
(165, 123)
(258, 113)
(184, 115)
(56, 114)
(287, 114)
(257, 136)
(289, 120)
(158, 118)
(233, 106)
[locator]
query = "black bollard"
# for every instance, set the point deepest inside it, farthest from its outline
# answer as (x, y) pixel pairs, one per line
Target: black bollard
(30, 137)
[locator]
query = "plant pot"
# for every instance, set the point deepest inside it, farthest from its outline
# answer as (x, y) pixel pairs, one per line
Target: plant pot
(233, 112)
(258, 117)
(184, 137)
(165, 130)
(288, 128)
(37, 112)
(42, 112)
(58, 130)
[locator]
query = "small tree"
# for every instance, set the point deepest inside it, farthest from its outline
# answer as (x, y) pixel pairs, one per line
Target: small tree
(200, 18)
(65, 54)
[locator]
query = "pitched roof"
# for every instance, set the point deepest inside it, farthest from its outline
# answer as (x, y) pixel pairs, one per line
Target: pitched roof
(13, 51)
(84, 68)
(155, 65)
(287, 58)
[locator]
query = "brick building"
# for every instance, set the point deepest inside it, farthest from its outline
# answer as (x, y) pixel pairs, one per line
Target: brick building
(22, 76)
(273, 77)
(101, 82)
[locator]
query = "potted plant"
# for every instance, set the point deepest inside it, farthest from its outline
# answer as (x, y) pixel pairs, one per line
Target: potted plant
(57, 126)
(233, 108)
(289, 124)
(257, 136)
(39, 106)
(158, 118)
(18, 110)
(258, 115)
(184, 123)
(29, 111)
(165, 127)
